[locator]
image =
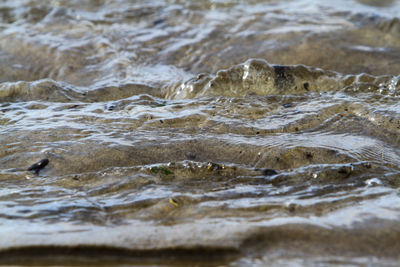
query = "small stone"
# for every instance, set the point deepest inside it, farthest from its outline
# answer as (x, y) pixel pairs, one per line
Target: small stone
(288, 105)
(38, 166)
(213, 166)
(191, 156)
(292, 207)
(158, 21)
(367, 165)
(345, 170)
(269, 172)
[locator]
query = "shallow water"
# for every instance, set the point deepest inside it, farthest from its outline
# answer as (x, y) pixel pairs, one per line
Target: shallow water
(203, 133)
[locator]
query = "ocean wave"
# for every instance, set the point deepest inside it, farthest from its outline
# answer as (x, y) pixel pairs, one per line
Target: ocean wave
(257, 76)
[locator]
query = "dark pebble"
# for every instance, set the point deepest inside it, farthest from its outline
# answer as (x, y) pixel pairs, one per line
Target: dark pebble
(38, 166)
(269, 172)
(158, 21)
(343, 170)
(191, 156)
(306, 86)
(73, 106)
(292, 207)
(288, 105)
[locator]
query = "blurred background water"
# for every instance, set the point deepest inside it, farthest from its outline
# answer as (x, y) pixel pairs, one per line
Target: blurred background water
(178, 133)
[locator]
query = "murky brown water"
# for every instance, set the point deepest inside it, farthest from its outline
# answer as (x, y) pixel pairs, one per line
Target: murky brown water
(200, 133)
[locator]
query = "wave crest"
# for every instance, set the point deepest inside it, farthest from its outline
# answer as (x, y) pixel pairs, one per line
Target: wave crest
(257, 76)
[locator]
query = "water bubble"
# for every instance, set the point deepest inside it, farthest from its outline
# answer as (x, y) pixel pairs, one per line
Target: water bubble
(393, 84)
